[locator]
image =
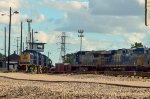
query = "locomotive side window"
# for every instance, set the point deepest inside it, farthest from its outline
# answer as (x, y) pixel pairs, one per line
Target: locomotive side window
(40, 46)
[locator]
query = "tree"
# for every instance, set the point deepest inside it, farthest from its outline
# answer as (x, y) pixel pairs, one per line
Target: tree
(1, 55)
(137, 45)
(69, 58)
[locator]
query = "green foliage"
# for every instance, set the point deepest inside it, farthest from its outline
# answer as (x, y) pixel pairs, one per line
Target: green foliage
(69, 58)
(137, 45)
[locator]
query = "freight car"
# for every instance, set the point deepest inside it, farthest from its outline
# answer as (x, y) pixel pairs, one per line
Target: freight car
(114, 60)
(31, 60)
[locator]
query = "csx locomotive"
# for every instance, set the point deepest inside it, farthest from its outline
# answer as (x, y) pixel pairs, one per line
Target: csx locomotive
(34, 61)
(114, 60)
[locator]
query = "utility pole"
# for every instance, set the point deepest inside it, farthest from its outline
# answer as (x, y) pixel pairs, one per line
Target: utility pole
(63, 47)
(5, 46)
(10, 14)
(29, 31)
(21, 39)
(23, 46)
(17, 44)
(32, 39)
(9, 39)
(26, 43)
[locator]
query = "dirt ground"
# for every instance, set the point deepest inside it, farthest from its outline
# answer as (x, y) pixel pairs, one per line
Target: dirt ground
(70, 86)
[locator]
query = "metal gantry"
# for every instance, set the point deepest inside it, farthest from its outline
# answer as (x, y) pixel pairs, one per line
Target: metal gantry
(63, 47)
(29, 33)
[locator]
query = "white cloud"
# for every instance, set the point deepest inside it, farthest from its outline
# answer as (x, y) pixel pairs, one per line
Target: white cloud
(53, 38)
(77, 5)
(42, 37)
(15, 19)
(90, 16)
(141, 2)
(87, 44)
(115, 7)
(6, 4)
(135, 37)
(101, 24)
(66, 5)
(102, 16)
(4, 19)
(40, 18)
(15, 6)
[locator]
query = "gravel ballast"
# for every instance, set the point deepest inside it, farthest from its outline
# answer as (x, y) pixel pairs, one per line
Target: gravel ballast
(23, 89)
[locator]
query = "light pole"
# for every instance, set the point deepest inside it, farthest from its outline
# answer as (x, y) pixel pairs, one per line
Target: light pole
(5, 46)
(10, 14)
(21, 39)
(29, 32)
(81, 36)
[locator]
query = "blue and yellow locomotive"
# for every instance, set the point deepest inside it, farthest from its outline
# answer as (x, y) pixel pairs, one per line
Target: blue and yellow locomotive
(31, 60)
(113, 60)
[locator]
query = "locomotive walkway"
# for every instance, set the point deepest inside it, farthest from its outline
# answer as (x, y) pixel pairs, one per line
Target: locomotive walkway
(64, 78)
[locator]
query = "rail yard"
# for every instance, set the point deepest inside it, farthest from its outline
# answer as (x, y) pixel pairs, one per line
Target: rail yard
(72, 86)
(113, 61)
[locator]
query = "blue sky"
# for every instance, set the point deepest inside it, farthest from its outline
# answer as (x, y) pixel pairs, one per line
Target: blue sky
(107, 24)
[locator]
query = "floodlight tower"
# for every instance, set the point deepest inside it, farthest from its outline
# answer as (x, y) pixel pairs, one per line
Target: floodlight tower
(81, 36)
(29, 31)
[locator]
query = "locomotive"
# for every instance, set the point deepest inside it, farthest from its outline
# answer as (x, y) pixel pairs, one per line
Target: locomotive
(31, 60)
(114, 60)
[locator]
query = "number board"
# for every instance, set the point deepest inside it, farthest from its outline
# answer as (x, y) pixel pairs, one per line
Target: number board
(25, 58)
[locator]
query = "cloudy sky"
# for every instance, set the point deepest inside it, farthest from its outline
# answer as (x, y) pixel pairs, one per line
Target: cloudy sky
(107, 24)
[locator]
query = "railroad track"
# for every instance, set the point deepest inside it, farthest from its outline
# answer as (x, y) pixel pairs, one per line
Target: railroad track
(46, 81)
(128, 73)
(117, 73)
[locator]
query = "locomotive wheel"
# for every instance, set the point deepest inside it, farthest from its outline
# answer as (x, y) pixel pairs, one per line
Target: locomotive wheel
(40, 69)
(35, 69)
